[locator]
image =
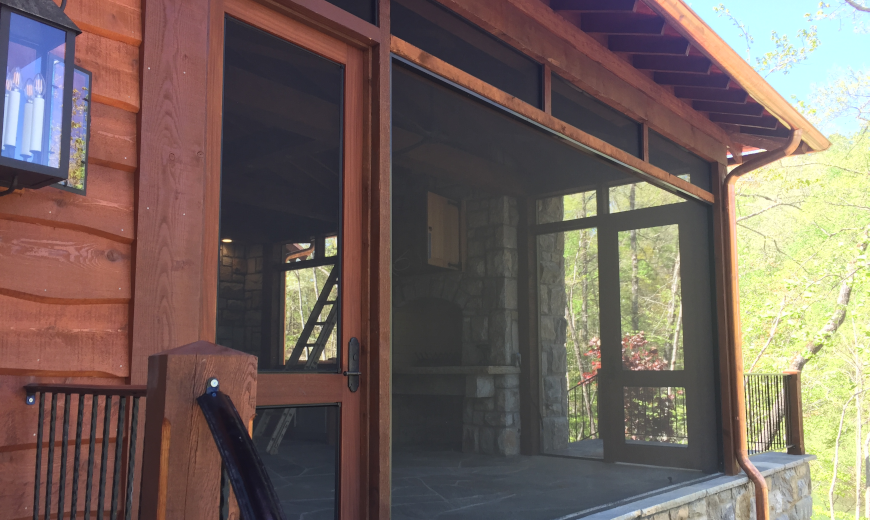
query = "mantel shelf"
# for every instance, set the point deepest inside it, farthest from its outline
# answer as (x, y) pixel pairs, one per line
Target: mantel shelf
(457, 370)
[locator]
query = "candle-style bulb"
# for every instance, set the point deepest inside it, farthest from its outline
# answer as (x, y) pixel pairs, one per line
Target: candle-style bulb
(39, 85)
(8, 81)
(28, 89)
(16, 78)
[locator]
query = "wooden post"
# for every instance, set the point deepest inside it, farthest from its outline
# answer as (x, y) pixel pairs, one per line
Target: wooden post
(794, 404)
(181, 468)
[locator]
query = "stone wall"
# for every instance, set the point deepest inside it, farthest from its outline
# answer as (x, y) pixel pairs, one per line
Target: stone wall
(240, 297)
(789, 488)
(486, 292)
(552, 328)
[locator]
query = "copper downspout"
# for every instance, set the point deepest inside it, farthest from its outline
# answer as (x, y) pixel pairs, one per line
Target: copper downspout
(738, 426)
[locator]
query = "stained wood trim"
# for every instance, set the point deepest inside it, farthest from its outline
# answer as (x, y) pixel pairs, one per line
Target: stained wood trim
(682, 18)
(286, 28)
(212, 190)
(534, 28)
(547, 88)
(335, 20)
(380, 281)
(172, 135)
(637, 167)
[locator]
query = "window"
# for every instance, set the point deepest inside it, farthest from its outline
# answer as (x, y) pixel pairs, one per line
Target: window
(364, 9)
(676, 160)
(578, 108)
(451, 38)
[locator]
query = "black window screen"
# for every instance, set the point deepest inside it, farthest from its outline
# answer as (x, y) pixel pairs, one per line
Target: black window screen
(364, 9)
(465, 46)
(575, 107)
(676, 160)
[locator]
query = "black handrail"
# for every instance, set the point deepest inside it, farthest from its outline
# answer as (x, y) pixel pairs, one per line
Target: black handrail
(253, 489)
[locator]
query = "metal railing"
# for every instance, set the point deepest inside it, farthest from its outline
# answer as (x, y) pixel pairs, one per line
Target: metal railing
(88, 402)
(583, 410)
(768, 412)
(242, 466)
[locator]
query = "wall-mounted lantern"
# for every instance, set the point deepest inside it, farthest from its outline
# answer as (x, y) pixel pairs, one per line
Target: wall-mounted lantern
(37, 51)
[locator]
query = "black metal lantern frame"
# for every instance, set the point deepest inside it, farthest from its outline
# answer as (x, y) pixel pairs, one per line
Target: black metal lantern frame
(35, 96)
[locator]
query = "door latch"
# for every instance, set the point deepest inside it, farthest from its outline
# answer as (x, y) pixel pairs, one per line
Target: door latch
(352, 371)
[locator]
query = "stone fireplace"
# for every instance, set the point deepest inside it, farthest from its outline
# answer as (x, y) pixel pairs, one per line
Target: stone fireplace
(456, 361)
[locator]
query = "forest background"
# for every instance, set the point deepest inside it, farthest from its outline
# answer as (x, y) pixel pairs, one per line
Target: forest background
(803, 231)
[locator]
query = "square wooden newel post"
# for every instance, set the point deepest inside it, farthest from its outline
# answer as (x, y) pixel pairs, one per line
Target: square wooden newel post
(794, 402)
(181, 470)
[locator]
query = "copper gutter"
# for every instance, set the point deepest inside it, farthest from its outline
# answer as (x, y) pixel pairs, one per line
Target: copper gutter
(738, 425)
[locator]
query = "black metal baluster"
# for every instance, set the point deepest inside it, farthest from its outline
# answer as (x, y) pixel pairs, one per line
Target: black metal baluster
(104, 457)
(119, 449)
(89, 484)
(77, 459)
(134, 425)
(39, 428)
(225, 494)
(61, 483)
(50, 469)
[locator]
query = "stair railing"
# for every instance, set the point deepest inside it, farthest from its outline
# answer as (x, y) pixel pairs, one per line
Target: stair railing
(90, 404)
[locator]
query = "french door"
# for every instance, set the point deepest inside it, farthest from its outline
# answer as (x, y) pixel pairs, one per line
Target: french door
(657, 390)
(290, 287)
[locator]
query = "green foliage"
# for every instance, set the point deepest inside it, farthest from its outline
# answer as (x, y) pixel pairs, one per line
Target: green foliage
(800, 225)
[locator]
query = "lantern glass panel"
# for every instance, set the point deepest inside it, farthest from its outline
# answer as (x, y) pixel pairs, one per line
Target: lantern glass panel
(33, 104)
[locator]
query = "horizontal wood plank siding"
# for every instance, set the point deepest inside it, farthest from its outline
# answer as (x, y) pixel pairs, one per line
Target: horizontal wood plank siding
(66, 282)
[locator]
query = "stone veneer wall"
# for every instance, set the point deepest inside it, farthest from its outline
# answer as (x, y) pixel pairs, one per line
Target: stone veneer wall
(486, 292)
(789, 488)
(240, 297)
(552, 327)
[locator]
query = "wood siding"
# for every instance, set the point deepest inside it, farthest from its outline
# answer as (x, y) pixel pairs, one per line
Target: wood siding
(65, 286)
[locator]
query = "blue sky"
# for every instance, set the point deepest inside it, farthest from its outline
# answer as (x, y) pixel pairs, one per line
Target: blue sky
(840, 45)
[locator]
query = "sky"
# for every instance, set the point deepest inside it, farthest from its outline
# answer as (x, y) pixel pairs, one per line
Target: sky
(841, 46)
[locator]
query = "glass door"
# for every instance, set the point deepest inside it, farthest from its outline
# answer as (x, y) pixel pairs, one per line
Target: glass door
(290, 275)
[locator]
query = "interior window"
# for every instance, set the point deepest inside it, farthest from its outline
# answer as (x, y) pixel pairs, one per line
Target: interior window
(676, 160)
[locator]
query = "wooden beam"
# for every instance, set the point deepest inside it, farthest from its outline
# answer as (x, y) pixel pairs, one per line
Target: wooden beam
(635, 166)
(689, 24)
(648, 44)
(756, 141)
(592, 5)
(532, 27)
(621, 23)
(759, 122)
(692, 80)
(711, 94)
(168, 279)
(697, 64)
(380, 279)
(778, 132)
(747, 109)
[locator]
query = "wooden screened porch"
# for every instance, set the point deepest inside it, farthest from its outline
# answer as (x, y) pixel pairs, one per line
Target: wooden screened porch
(442, 244)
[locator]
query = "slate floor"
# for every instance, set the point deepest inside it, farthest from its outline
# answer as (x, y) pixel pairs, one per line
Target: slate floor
(460, 486)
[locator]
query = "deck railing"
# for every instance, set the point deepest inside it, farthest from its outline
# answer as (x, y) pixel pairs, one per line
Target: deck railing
(89, 399)
(773, 413)
(583, 410)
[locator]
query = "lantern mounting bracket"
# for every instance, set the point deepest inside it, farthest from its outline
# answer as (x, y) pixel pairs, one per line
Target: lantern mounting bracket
(14, 186)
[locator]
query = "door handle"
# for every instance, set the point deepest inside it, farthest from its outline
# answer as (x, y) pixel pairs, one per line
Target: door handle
(352, 373)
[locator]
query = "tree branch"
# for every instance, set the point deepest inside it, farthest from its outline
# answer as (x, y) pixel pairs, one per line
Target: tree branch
(857, 6)
(837, 318)
(759, 212)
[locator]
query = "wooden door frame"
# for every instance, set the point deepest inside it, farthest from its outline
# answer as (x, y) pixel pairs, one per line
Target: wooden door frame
(178, 199)
(319, 388)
